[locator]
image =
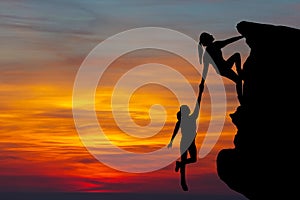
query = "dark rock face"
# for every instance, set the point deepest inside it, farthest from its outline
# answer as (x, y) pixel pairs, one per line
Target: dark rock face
(263, 162)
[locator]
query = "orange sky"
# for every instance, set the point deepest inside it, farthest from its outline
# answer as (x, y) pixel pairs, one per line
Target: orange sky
(39, 140)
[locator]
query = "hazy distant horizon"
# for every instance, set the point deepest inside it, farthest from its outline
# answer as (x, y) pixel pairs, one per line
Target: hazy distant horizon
(113, 196)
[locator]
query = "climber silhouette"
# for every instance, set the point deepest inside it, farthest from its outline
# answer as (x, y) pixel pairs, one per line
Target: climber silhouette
(213, 55)
(187, 123)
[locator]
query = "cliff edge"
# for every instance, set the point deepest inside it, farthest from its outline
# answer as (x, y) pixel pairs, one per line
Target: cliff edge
(263, 162)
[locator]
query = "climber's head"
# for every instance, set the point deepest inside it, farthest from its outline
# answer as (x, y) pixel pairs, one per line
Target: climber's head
(184, 110)
(206, 39)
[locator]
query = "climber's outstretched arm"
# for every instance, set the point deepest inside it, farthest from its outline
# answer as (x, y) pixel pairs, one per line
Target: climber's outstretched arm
(197, 106)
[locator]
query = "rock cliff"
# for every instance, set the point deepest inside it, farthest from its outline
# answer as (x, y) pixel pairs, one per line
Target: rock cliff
(263, 162)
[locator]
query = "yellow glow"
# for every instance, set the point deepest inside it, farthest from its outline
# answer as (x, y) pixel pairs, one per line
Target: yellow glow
(38, 131)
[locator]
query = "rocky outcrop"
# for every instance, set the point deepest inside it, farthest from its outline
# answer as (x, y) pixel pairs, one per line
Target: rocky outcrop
(263, 162)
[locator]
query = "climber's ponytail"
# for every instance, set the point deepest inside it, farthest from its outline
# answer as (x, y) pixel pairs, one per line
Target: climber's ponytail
(200, 52)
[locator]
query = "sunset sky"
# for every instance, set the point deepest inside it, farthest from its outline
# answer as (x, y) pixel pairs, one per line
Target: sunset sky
(43, 45)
